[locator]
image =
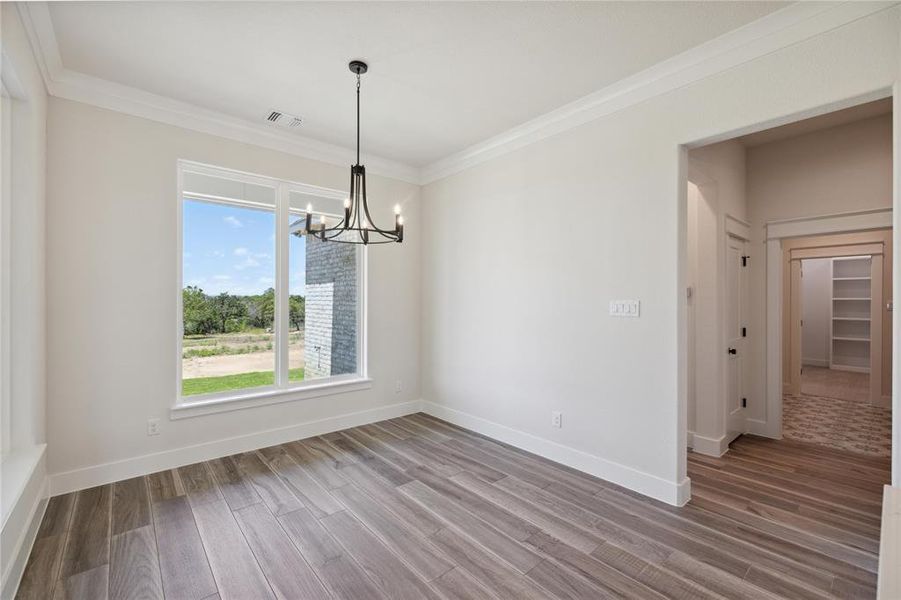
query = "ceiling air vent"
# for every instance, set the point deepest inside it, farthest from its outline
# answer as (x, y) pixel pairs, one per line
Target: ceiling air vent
(283, 120)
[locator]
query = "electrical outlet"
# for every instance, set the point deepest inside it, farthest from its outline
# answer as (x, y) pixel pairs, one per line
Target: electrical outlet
(557, 419)
(398, 386)
(153, 426)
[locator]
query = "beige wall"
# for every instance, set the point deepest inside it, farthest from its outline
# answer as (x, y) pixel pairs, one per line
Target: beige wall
(515, 321)
(816, 297)
(718, 175)
(111, 260)
(842, 169)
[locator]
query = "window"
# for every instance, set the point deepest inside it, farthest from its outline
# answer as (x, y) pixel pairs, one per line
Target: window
(263, 312)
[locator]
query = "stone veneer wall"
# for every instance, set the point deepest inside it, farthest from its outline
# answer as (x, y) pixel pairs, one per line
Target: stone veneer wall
(330, 337)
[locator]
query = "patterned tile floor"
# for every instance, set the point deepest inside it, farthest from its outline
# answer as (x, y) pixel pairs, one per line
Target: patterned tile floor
(841, 424)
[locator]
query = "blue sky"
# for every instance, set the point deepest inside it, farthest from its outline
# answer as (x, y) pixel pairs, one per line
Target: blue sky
(232, 249)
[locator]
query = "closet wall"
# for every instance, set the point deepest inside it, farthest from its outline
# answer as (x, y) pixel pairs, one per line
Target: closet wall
(816, 294)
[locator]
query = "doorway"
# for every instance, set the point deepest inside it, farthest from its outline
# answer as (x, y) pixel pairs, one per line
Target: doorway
(837, 348)
(835, 328)
(778, 185)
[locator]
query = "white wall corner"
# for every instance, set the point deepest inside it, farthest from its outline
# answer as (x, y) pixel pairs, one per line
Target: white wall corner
(671, 492)
(709, 446)
(762, 428)
(79, 479)
(22, 520)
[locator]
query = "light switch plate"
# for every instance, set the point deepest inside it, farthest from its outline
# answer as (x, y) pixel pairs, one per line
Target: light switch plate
(625, 308)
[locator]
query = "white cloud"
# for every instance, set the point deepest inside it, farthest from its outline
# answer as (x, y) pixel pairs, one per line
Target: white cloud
(240, 251)
(222, 277)
(266, 280)
(215, 254)
(233, 221)
(247, 263)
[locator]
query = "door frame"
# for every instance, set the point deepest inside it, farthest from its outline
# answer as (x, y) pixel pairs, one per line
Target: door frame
(771, 423)
(877, 244)
(777, 232)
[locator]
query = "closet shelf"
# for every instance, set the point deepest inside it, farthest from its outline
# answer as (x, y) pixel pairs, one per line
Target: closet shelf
(850, 346)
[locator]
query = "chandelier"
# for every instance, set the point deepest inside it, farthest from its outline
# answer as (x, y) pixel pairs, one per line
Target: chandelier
(357, 225)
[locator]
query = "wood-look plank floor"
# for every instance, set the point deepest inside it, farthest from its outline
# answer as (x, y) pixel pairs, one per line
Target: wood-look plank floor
(417, 508)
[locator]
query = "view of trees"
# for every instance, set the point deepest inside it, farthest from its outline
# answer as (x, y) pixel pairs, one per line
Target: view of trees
(226, 313)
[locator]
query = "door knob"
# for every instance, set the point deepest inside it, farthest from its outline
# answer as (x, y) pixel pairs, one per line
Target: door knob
(733, 351)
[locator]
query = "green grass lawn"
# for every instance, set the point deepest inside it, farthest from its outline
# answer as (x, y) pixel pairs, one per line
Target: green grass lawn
(208, 385)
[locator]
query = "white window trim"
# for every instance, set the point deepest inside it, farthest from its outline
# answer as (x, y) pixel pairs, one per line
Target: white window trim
(6, 173)
(282, 390)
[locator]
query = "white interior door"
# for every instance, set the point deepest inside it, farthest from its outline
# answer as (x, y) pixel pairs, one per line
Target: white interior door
(736, 340)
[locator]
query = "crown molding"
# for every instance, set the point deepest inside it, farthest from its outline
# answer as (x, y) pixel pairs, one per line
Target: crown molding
(72, 85)
(778, 30)
(773, 32)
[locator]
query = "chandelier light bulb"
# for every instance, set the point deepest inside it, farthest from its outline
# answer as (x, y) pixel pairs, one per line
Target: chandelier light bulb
(397, 209)
(347, 203)
(309, 208)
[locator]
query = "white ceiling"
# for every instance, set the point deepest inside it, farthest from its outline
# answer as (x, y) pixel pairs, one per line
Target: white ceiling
(443, 76)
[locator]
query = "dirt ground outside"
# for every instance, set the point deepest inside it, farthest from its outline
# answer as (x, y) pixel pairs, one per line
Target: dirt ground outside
(214, 366)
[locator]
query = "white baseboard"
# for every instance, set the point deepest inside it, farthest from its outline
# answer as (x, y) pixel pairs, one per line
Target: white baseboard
(79, 479)
(707, 445)
(21, 527)
(671, 492)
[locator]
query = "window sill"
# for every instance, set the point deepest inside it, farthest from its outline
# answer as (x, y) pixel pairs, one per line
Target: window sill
(254, 399)
(16, 470)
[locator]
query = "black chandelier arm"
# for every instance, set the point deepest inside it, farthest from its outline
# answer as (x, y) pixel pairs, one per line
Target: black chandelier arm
(330, 233)
(370, 243)
(341, 227)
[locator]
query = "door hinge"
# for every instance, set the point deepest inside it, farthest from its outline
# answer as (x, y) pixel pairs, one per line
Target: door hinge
(744, 332)
(744, 403)
(744, 260)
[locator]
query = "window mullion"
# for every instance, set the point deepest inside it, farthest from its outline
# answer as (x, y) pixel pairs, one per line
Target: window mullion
(282, 305)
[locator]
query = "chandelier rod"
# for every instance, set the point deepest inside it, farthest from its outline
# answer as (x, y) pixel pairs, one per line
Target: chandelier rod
(358, 118)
